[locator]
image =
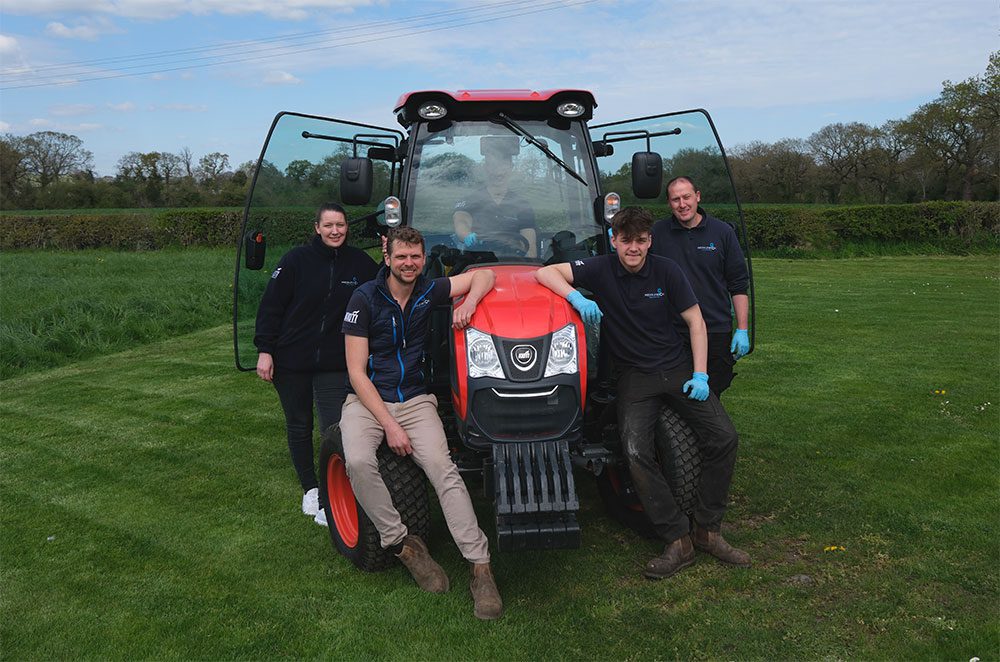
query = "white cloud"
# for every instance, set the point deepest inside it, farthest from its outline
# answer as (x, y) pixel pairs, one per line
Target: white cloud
(280, 78)
(165, 9)
(88, 29)
(182, 108)
(69, 110)
(8, 45)
(4, 126)
(125, 107)
(39, 121)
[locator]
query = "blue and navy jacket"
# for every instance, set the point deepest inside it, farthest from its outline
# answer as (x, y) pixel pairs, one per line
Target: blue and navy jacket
(298, 320)
(712, 259)
(395, 335)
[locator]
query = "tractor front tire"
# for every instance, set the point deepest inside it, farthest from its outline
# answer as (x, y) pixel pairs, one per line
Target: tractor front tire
(352, 533)
(680, 463)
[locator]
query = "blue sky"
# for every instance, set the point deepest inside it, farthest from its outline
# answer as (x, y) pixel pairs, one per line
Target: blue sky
(765, 70)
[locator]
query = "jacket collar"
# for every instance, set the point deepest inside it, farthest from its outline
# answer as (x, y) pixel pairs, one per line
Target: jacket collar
(317, 245)
(676, 225)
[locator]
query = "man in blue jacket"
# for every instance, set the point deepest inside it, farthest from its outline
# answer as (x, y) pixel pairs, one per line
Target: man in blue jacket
(710, 255)
(385, 327)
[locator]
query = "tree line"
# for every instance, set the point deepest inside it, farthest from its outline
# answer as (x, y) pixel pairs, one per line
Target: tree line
(947, 149)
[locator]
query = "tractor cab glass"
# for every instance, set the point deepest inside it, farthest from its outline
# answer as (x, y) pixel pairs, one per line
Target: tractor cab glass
(686, 144)
(299, 169)
(490, 190)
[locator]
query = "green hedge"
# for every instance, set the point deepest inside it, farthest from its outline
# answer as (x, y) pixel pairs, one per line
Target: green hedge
(803, 228)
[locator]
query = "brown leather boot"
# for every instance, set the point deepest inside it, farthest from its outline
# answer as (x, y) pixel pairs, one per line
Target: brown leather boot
(485, 595)
(676, 556)
(712, 542)
(425, 570)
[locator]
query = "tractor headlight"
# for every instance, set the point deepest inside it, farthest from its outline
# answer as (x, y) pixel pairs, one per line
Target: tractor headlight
(432, 110)
(571, 109)
(562, 352)
(481, 355)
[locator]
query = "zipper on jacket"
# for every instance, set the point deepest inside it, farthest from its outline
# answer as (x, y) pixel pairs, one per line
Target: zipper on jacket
(322, 320)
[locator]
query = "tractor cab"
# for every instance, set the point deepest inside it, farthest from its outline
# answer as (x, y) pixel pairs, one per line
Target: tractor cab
(505, 179)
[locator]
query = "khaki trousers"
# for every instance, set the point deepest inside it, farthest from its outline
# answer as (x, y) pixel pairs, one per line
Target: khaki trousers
(362, 435)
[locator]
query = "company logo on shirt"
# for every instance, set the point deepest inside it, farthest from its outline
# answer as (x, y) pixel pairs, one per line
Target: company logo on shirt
(276, 272)
(658, 294)
(578, 263)
(710, 247)
(353, 282)
(352, 317)
(423, 303)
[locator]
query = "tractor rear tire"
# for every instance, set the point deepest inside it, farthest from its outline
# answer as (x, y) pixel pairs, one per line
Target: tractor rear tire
(680, 462)
(352, 533)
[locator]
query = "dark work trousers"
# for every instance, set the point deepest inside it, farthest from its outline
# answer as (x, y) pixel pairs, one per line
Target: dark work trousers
(640, 398)
(297, 392)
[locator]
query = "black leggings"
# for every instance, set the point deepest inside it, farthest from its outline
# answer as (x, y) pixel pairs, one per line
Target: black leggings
(297, 392)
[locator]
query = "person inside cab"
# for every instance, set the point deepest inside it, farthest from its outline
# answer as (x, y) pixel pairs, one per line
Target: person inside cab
(495, 214)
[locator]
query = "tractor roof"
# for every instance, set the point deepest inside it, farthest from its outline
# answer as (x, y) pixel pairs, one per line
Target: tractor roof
(482, 104)
(462, 96)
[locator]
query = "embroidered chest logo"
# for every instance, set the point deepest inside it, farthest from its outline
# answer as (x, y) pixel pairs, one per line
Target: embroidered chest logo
(276, 272)
(710, 247)
(353, 282)
(352, 317)
(658, 294)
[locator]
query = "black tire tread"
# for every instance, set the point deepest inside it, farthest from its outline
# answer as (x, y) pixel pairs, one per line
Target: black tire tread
(407, 486)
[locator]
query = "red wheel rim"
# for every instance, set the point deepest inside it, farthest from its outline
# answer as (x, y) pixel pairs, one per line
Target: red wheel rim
(340, 496)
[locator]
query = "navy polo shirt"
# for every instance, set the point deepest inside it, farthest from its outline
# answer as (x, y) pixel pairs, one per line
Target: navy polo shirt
(712, 259)
(638, 308)
(512, 214)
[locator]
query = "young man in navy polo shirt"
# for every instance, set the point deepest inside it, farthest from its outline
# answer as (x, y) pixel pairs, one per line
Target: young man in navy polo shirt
(710, 255)
(637, 295)
(384, 331)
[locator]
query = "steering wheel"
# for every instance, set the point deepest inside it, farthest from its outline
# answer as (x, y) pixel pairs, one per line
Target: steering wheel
(505, 243)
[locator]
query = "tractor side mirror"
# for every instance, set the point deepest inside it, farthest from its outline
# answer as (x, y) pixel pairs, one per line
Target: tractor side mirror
(356, 181)
(254, 248)
(647, 174)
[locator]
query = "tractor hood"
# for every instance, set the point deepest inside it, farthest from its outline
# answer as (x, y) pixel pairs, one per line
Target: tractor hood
(518, 307)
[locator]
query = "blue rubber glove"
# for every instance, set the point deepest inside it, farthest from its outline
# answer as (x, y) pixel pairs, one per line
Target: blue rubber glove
(698, 385)
(741, 343)
(470, 240)
(588, 310)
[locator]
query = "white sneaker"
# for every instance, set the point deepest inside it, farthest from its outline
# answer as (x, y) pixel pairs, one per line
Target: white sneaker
(310, 502)
(321, 518)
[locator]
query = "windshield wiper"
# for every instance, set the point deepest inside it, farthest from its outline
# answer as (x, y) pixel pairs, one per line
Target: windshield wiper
(516, 128)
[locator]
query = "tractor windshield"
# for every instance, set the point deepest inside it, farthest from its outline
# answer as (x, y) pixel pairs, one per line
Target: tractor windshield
(482, 187)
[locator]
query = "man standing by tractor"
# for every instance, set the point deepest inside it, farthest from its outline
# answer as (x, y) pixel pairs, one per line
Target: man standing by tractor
(710, 255)
(640, 293)
(385, 328)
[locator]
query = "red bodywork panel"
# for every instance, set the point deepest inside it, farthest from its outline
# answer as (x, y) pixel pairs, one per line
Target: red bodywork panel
(495, 95)
(517, 307)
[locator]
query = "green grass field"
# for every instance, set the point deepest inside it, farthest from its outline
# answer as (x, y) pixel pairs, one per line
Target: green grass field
(149, 509)
(57, 307)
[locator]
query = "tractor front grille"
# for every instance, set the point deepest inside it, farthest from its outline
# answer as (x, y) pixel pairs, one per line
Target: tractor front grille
(543, 413)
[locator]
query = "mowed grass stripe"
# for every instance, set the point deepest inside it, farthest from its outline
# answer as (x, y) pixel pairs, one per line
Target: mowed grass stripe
(163, 475)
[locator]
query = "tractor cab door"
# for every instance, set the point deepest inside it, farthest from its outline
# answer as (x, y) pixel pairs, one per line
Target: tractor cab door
(683, 143)
(300, 168)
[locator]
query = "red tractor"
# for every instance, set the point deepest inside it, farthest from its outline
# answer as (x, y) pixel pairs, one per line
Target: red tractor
(526, 389)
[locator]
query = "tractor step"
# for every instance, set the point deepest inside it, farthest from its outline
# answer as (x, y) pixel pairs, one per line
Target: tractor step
(534, 496)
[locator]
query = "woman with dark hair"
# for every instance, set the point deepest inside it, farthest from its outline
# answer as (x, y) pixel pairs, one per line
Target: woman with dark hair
(299, 342)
